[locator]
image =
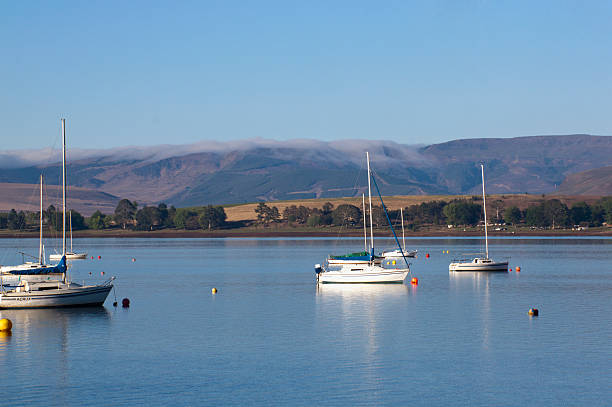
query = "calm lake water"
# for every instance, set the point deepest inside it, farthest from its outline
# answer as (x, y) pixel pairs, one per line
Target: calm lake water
(270, 336)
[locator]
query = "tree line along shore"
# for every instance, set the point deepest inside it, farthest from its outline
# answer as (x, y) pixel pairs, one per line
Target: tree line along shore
(523, 214)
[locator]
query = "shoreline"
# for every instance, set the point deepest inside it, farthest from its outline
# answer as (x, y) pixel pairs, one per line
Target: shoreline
(254, 233)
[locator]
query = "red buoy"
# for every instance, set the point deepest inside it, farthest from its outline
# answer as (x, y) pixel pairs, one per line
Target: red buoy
(99, 257)
(133, 259)
(92, 257)
(101, 273)
(427, 255)
(125, 303)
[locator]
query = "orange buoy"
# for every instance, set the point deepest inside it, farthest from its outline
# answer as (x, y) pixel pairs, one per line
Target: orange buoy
(414, 281)
(518, 269)
(533, 312)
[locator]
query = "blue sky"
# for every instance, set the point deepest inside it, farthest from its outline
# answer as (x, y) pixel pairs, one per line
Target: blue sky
(146, 73)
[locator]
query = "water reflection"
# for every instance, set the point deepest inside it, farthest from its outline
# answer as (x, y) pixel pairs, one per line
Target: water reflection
(50, 326)
(360, 292)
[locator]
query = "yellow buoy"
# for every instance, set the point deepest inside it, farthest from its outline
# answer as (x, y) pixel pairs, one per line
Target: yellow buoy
(5, 324)
(214, 290)
(394, 262)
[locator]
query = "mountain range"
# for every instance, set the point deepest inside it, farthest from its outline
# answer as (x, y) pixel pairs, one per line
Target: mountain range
(255, 170)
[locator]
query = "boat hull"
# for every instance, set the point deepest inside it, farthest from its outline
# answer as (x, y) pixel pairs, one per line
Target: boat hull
(488, 267)
(64, 297)
(363, 275)
(396, 254)
(69, 256)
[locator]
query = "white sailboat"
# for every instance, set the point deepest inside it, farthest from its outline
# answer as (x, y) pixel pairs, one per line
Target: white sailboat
(71, 255)
(480, 263)
(60, 293)
(33, 271)
(364, 273)
(399, 253)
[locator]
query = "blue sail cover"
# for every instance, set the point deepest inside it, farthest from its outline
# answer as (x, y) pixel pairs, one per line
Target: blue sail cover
(58, 269)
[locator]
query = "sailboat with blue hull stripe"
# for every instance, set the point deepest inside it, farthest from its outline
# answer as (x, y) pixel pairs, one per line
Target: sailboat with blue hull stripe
(33, 271)
(57, 293)
(373, 270)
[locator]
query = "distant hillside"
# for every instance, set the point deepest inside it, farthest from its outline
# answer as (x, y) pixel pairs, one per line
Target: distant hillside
(592, 182)
(27, 197)
(255, 170)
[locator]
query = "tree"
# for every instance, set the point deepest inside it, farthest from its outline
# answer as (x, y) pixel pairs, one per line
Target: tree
(556, 213)
(461, 212)
(78, 221)
(346, 214)
(148, 217)
(499, 206)
(314, 220)
(186, 219)
(378, 216)
(96, 221)
(169, 221)
(163, 214)
(3, 220)
(125, 212)
(606, 204)
(296, 214)
(16, 221)
(212, 217)
(266, 214)
(535, 216)
(579, 213)
(512, 215)
(327, 208)
(54, 218)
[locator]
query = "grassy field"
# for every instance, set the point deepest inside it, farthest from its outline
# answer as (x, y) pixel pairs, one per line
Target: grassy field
(247, 211)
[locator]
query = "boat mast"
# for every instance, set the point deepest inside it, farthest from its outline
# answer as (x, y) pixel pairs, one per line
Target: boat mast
(70, 230)
(403, 234)
(40, 248)
(370, 198)
(484, 206)
(63, 187)
(365, 227)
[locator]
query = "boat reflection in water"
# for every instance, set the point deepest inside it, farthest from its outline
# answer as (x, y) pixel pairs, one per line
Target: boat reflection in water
(51, 329)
